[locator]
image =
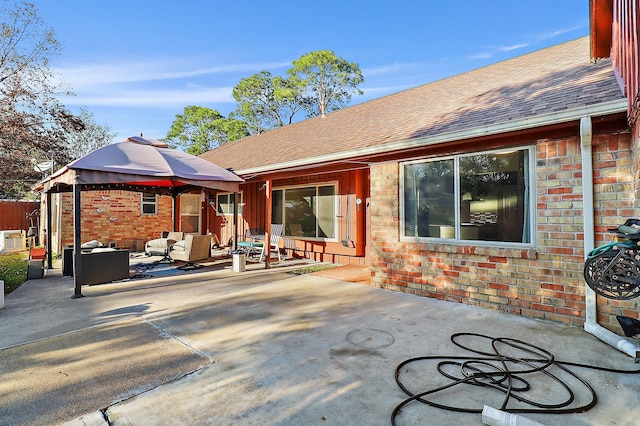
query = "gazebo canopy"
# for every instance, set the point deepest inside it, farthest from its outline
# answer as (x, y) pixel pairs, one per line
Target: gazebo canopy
(141, 164)
(137, 164)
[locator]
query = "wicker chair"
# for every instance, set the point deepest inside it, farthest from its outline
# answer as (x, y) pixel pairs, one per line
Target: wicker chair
(192, 248)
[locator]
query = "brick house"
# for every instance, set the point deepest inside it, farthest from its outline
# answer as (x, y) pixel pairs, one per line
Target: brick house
(486, 188)
(469, 189)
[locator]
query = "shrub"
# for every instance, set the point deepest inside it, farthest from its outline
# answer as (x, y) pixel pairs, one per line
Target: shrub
(311, 269)
(13, 270)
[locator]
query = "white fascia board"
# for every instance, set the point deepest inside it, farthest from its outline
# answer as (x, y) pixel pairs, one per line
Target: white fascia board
(596, 110)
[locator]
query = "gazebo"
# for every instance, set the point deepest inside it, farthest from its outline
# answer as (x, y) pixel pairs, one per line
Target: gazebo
(136, 164)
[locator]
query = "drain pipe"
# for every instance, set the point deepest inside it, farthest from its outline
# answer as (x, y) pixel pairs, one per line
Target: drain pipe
(591, 324)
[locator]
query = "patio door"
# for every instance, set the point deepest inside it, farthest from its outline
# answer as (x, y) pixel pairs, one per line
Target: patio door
(190, 208)
(225, 212)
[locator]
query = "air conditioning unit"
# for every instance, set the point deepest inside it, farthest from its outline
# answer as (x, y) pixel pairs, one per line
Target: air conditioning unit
(12, 240)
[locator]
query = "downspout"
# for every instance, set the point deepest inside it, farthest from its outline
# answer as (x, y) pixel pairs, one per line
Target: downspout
(591, 324)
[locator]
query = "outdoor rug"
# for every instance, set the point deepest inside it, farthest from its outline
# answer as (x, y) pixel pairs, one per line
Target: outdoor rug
(160, 269)
(64, 377)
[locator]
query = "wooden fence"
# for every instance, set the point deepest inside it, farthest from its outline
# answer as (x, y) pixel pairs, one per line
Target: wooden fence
(15, 214)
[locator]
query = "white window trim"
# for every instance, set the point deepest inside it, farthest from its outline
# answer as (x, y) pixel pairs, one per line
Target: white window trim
(336, 212)
(457, 241)
(143, 203)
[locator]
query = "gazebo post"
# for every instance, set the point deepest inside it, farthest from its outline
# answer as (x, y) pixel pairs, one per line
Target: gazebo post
(235, 221)
(77, 249)
(267, 235)
(49, 211)
(174, 211)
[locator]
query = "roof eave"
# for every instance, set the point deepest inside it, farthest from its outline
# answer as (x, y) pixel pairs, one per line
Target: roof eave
(597, 110)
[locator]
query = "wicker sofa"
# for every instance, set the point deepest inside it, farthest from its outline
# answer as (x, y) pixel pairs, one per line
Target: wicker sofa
(104, 265)
(192, 248)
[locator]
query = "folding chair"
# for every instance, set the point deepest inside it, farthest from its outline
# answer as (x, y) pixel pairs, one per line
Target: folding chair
(274, 242)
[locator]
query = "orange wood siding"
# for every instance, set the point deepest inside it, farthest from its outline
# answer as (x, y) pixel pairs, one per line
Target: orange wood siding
(625, 53)
(352, 185)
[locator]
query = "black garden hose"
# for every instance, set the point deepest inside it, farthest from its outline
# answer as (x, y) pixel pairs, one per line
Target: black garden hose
(503, 373)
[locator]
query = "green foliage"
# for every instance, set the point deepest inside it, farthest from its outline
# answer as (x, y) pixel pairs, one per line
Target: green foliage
(13, 270)
(311, 269)
(200, 129)
(318, 83)
(266, 102)
(326, 81)
(33, 123)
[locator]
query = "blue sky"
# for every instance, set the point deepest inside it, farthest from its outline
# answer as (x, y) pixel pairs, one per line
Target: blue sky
(136, 64)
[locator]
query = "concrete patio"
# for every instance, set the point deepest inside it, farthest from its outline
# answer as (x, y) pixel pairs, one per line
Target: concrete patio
(268, 347)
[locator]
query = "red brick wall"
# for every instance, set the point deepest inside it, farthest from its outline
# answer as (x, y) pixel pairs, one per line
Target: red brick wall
(115, 217)
(546, 282)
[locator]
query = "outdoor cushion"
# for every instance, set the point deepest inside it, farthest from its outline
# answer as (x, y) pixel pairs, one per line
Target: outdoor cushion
(102, 249)
(91, 244)
(161, 246)
(193, 247)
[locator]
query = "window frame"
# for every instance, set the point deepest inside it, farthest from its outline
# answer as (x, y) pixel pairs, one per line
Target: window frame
(532, 205)
(144, 203)
(229, 204)
(336, 210)
(185, 214)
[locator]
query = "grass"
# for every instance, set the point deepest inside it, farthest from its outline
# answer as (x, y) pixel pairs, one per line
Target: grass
(13, 270)
(310, 269)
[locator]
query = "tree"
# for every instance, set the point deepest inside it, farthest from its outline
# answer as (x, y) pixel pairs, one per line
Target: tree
(200, 129)
(326, 81)
(266, 102)
(91, 137)
(33, 123)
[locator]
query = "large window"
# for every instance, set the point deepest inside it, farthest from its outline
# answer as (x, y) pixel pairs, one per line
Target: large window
(306, 211)
(480, 197)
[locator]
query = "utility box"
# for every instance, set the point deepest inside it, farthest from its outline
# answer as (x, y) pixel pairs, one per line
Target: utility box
(13, 240)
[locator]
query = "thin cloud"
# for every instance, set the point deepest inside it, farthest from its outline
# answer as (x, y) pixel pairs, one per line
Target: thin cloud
(88, 75)
(155, 83)
(513, 47)
(154, 98)
(376, 91)
(535, 39)
(555, 33)
(481, 55)
(390, 69)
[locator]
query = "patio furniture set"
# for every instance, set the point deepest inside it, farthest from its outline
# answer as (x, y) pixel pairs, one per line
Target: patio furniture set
(254, 242)
(102, 264)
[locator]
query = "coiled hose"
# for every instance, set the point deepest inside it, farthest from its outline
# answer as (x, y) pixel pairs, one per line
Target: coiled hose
(503, 373)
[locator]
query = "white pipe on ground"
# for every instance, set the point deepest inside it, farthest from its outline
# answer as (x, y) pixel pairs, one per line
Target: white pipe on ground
(494, 417)
(591, 324)
(612, 339)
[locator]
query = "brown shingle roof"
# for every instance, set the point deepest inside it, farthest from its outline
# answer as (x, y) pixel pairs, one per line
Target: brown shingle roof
(551, 80)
